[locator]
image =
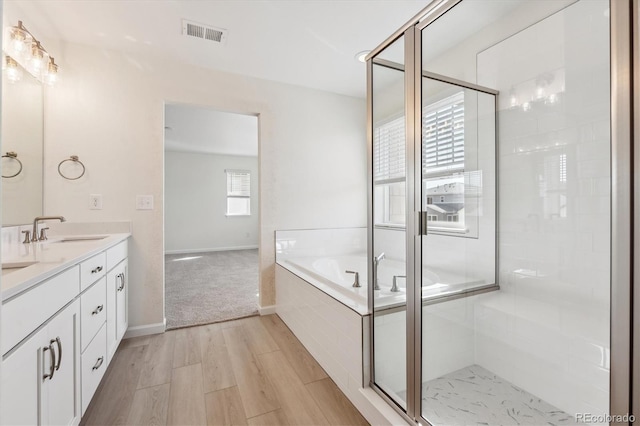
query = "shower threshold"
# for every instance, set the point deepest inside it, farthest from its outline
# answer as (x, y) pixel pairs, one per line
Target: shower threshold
(476, 396)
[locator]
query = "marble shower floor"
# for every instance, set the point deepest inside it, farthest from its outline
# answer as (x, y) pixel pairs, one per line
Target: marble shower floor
(476, 396)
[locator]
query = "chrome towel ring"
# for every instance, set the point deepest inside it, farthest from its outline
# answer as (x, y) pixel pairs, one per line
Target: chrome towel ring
(73, 159)
(14, 156)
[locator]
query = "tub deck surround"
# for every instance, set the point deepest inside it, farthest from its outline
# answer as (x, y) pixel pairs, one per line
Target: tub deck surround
(328, 275)
(337, 338)
(51, 256)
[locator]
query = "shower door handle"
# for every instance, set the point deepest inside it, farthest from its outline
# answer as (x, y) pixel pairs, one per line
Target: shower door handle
(422, 223)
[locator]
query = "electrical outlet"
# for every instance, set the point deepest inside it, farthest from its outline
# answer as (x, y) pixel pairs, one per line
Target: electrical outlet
(144, 202)
(95, 201)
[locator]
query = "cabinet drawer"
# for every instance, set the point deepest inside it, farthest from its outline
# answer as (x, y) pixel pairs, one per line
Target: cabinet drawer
(27, 311)
(116, 254)
(92, 269)
(93, 307)
(94, 364)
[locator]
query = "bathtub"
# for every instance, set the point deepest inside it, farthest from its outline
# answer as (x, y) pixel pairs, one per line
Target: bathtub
(327, 273)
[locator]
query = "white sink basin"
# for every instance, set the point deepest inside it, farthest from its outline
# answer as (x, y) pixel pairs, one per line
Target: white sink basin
(8, 267)
(80, 238)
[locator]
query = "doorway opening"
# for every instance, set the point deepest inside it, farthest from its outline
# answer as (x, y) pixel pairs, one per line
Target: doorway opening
(211, 216)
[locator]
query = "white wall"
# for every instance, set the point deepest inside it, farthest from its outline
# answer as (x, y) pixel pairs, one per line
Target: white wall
(108, 108)
(195, 190)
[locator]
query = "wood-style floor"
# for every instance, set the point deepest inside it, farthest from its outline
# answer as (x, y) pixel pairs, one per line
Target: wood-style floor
(251, 371)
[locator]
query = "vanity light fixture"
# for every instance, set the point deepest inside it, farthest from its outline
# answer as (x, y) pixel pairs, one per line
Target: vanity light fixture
(19, 41)
(13, 70)
(51, 76)
(24, 49)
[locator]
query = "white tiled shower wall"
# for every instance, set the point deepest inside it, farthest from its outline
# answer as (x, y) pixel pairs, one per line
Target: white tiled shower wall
(547, 330)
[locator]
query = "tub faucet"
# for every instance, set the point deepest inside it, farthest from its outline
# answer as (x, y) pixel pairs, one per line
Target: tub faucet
(394, 287)
(34, 232)
(376, 262)
(356, 283)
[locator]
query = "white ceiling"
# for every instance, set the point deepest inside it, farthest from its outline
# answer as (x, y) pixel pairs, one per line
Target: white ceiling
(309, 43)
(195, 129)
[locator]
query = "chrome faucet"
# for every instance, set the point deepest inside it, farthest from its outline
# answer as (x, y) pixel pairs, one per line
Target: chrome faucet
(376, 262)
(356, 282)
(34, 231)
(394, 287)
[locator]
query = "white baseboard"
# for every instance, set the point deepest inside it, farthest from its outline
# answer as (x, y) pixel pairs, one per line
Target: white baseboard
(267, 310)
(146, 330)
(205, 250)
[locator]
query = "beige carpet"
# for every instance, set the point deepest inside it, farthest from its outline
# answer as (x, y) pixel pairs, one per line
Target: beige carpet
(203, 288)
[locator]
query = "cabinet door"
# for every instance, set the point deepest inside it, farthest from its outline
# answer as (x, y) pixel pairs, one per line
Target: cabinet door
(114, 279)
(122, 313)
(22, 375)
(61, 392)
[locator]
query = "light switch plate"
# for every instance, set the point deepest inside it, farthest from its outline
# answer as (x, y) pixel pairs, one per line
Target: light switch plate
(144, 202)
(95, 201)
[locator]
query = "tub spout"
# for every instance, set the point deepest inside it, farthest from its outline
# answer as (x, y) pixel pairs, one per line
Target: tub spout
(356, 282)
(394, 287)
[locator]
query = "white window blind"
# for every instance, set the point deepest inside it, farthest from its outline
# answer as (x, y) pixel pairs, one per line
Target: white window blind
(238, 192)
(442, 141)
(443, 136)
(389, 151)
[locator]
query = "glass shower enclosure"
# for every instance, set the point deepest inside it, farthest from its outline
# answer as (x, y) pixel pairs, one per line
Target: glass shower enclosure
(491, 135)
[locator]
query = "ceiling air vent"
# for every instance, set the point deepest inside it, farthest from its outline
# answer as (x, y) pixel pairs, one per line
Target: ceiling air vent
(205, 32)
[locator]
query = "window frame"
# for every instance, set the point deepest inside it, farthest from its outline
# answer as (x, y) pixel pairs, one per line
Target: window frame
(229, 174)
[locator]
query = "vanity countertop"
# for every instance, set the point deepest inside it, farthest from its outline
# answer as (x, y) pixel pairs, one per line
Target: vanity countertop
(52, 256)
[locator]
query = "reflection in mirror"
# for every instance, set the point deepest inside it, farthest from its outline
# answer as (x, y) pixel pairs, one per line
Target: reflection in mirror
(22, 134)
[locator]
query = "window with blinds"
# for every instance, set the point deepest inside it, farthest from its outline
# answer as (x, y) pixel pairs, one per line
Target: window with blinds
(443, 136)
(389, 151)
(442, 142)
(442, 155)
(238, 192)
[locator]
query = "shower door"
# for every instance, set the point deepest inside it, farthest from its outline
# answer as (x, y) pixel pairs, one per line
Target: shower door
(388, 223)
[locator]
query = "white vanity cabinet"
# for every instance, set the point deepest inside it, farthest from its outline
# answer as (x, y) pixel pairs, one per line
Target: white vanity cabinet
(41, 376)
(59, 335)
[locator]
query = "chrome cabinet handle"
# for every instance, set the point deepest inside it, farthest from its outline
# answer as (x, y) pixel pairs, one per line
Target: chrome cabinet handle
(121, 276)
(52, 360)
(59, 343)
(97, 310)
(96, 270)
(98, 363)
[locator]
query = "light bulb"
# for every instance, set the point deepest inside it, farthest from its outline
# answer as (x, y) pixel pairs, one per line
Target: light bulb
(19, 41)
(38, 60)
(526, 106)
(12, 70)
(513, 101)
(51, 75)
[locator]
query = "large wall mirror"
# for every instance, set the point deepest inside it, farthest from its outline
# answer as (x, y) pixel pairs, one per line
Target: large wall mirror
(22, 146)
